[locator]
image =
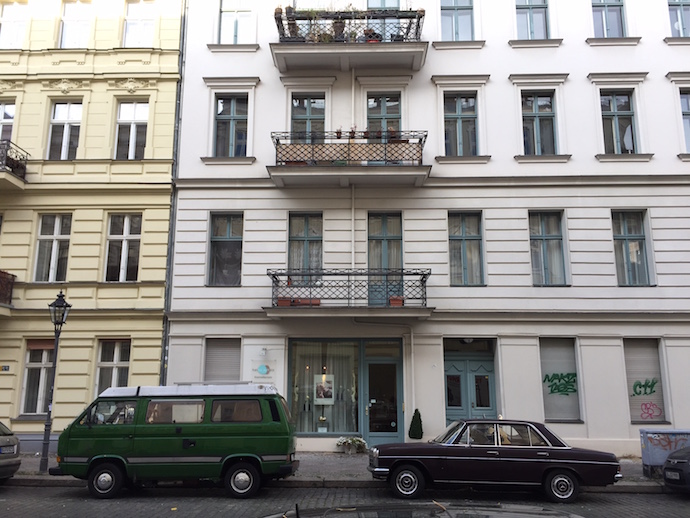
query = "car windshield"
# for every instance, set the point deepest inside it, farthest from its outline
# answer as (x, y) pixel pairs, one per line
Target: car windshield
(449, 432)
(4, 430)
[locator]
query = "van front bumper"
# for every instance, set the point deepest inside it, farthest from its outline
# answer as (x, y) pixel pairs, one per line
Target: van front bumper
(56, 472)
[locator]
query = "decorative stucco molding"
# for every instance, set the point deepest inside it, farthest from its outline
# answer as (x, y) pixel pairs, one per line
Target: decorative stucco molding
(65, 85)
(132, 85)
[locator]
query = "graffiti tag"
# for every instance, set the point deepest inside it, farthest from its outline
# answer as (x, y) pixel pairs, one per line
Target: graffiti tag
(650, 410)
(669, 442)
(644, 388)
(563, 383)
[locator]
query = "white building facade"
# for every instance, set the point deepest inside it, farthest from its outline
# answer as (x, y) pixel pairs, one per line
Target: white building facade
(469, 208)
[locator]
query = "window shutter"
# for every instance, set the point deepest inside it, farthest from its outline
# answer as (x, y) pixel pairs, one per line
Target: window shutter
(222, 360)
(559, 379)
(645, 389)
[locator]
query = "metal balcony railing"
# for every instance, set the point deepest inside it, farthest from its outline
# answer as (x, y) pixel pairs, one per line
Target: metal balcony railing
(377, 26)
(14, 158)
(353, 288)
(348, 148)
(6, 287)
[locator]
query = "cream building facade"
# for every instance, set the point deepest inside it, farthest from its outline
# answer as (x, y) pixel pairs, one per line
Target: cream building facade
(88, 91)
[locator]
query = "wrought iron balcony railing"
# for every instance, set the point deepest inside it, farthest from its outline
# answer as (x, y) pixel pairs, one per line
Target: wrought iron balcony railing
(6, 287)
(354, 288)
(377, 26)
(348, 148)
(14, 158)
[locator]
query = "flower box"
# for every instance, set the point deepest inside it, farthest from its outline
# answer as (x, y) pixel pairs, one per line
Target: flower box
(284, 301)
(306, 302)
(396, 301)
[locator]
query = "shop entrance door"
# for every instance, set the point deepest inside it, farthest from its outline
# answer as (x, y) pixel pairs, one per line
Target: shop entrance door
(470, 387)
(383, 416)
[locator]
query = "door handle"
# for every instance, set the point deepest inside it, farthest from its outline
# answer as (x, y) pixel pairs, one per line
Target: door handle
(188, 443)
(366, 410)
(492, 452)
(543, 453)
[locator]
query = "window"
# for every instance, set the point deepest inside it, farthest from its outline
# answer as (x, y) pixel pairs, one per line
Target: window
(538, 123)
(110, 413)
(37, 380)
(465, 234)
(113, 364)
(131, 130)
(685, 108)
(64, 131)
(231, 125)
(679, 12)
(53, 247)
(645, 388)
(12, 25)
(456, 20)
(238, 411)
(165, 411)
(383, 4)
(546, 249)
(306, 244)
(618, 118)
(222, 361)
(6, 120)
(76, 25)
(383, 112)
(308, 115)
(124, 238)
(559, 379)
(532, 19)
(226, 250)
(608, 18)
(236, 25)
(630, 248)
(460, 115)
(139, 23)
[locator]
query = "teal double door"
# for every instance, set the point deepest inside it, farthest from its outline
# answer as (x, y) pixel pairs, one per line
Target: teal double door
(470, 386)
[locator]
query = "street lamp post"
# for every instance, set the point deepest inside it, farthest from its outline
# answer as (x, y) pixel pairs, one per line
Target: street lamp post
(59, 309)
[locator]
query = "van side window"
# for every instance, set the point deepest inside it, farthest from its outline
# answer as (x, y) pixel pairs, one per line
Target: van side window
(274, 410)
(166, 411)
(110, 412)
(242, 411)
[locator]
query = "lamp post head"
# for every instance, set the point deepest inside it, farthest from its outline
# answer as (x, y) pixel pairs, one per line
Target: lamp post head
(59, 310)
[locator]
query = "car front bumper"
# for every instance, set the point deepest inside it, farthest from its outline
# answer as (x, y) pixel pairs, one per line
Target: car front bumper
(378, 472)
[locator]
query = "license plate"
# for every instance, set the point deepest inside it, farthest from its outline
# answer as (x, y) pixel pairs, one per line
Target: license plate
(672, 475)
(7, 449)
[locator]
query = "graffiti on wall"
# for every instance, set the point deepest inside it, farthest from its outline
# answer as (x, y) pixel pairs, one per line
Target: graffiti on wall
(668, 442)
(650, 410)
(644, 388)
(563, 383)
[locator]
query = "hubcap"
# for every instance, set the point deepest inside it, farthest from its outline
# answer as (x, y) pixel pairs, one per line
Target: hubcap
(241, 481)
(104, 481)
(562, 487)
(407, 482)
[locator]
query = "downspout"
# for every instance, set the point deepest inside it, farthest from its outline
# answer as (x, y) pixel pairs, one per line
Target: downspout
(173, 200)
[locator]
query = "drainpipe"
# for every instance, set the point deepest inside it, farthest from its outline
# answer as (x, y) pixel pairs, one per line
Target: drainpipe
(173, 200)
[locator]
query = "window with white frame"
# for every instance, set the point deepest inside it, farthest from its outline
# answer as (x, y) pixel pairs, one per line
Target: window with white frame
(465, 241)
(630, 248)
(457, 20)
(383, 112)
(37, 376)
(140, 22)
(308, 116)
(546, 248)
(124, 240)
(6, 120)
(609, 19)
(685, 109)
(460, 121)
(532, 19)
(226, 250)
(645, 386)
(53, 247)
(236, 22)
(64, 131)
(113, 364)
(76, 25)
(679, 12)
(305, 248)
(13, 16)
(559, 379)
(222, 360)
(538, 123)
(383, 4)
(231, 125)
(132, 118)
(618, 118)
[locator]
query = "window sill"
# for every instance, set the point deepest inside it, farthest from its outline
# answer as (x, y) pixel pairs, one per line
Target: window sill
(552, 285)
(627, 157)
(241, 47)
(565, 421)
(478, 159)
(677, 41)
(224, 160)
(684, 157)
(537, 159)
(527, 44)
(28, 418)
(458, 45)
(652, 423)
(613, 42)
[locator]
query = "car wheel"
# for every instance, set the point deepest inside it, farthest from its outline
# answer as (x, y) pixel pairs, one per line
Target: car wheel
(561, 486)
(242, 480)
(407, 482)
(105, 480)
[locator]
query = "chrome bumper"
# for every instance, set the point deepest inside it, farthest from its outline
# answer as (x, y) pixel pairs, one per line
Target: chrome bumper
(379, 472)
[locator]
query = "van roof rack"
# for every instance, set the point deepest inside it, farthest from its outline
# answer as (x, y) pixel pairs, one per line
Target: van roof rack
(235, 389)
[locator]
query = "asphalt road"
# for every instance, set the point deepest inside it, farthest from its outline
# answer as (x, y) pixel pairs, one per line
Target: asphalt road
(177, 502)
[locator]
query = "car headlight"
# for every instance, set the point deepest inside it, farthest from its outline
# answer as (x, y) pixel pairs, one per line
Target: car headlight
(374, 453)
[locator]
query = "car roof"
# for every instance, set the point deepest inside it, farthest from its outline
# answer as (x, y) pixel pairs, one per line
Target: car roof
(238, 389)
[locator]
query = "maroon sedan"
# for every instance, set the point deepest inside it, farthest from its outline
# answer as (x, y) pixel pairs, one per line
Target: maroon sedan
(483, 452)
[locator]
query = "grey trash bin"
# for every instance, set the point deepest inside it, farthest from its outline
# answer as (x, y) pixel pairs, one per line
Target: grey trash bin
(657, 445)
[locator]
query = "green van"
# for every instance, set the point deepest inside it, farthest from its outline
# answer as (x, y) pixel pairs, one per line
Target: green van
(240, 434)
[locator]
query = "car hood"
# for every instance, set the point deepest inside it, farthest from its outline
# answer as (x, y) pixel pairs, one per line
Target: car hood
(682, 454)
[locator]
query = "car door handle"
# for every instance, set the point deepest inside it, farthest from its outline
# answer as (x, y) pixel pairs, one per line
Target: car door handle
(543, 453)
(492, 452)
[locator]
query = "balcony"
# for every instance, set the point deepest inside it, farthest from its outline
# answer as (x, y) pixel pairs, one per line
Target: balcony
(342, 158)
(343, 40)
(349, 292)
(6, 287)
(12, 166)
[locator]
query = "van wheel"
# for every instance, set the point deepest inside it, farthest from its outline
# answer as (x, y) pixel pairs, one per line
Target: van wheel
(561, 486)
(105, 480)
(242, 480)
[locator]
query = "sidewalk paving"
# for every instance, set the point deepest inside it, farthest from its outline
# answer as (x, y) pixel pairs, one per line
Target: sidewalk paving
(330, 470)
